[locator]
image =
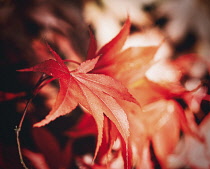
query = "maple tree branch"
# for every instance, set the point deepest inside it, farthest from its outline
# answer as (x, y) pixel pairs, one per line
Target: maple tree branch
(18, 128)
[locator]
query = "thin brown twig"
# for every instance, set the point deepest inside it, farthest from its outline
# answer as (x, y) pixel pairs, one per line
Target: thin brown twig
(18, 128)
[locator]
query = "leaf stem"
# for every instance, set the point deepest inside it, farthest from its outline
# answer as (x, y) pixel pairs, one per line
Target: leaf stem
(72, 61)
(18, 128)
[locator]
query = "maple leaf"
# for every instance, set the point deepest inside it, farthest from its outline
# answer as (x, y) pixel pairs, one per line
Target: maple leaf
(97, 93)
(110, 136)
(162, 114)
(161, 78)
(125, 65)
(108, 51)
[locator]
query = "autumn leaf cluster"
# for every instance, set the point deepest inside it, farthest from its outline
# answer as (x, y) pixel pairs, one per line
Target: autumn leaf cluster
(134, 105)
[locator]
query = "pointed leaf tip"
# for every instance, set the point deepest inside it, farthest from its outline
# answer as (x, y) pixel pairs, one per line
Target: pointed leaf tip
(92, 46)
(88, 65)
(116, 44)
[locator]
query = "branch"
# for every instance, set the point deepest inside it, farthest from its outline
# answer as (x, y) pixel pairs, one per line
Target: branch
(42, 82)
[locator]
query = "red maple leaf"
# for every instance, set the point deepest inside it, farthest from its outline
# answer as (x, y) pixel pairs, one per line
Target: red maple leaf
(97, 93)
(129, 66)
(113, 47)
(107, 153)
(125, 65)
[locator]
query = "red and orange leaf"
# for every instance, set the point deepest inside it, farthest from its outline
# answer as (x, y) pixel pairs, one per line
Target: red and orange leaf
(117, 42)
(98, 94)
(110, 136)
(152, 93)
(129, 65)
(87, 66)
(126, 153)
(112, 48)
